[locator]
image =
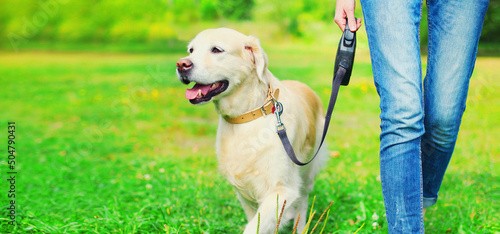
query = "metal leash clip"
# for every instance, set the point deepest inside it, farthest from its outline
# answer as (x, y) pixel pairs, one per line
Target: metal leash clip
(278, 111)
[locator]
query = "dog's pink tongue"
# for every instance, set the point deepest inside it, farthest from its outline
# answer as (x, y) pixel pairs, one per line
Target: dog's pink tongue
(193, 93)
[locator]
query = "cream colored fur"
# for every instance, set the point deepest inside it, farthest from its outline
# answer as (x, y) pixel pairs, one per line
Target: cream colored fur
(251, 155)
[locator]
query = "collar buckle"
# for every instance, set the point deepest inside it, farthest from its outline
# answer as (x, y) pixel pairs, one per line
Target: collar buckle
(269, 107)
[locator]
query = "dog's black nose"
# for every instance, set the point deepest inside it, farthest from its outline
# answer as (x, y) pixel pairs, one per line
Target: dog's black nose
(184, 65)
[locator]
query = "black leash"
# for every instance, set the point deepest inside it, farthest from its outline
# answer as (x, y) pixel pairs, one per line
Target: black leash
(342, 73)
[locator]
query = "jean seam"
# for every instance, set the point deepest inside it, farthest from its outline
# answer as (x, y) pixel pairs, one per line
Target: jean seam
(429, 39)
(422, 230)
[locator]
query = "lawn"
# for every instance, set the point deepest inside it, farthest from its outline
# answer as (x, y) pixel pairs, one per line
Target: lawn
(106, 143)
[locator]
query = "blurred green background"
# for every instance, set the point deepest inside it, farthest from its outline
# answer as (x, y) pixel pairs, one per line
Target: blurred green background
(106, 143)
(166, 21)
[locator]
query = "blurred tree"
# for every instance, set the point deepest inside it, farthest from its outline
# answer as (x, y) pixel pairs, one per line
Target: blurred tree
(157, 20)
(235, 9)
(491, 27)
(185, 11)
(208, 10)
(295, 16)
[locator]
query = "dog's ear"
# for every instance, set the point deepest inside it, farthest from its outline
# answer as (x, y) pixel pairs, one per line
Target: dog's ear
(258, 57)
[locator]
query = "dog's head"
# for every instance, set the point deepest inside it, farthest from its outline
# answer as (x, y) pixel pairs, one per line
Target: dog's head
(219, 61)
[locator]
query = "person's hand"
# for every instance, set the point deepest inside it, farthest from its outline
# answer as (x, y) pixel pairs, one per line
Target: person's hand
(345, 8)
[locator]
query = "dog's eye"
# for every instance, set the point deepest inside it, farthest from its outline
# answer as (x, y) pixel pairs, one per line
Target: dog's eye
(217, 50)
(190, 50)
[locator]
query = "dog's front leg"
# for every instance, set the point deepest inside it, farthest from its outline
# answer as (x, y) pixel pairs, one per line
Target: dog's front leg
(249, 207)
(302, 211)
(268, 209)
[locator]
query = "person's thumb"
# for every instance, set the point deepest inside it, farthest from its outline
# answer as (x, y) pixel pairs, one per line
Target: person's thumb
(351, 20)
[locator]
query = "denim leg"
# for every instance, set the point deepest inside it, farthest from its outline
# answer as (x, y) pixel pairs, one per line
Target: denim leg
(454, 30)
(393, 37)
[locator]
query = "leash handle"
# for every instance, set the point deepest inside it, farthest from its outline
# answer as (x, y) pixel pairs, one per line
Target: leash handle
(343, 68)
(345, 54)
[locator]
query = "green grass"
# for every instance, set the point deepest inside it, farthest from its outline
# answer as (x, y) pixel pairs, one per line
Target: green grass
(106, 143)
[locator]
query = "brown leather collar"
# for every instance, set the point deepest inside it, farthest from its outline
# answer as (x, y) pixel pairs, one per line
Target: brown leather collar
(267, 108)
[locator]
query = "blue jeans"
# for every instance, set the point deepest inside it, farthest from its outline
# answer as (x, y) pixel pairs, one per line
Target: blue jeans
(419, 122)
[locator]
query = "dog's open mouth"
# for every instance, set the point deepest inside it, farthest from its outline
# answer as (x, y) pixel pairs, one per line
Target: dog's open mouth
(204, 92)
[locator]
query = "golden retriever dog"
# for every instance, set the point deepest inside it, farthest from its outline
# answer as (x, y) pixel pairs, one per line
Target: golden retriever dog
(230, 69)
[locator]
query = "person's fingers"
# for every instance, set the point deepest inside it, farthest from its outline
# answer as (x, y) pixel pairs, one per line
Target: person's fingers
(341, 23)
(343, 9)
(352, 22)
(340, 16)
(358, 23)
